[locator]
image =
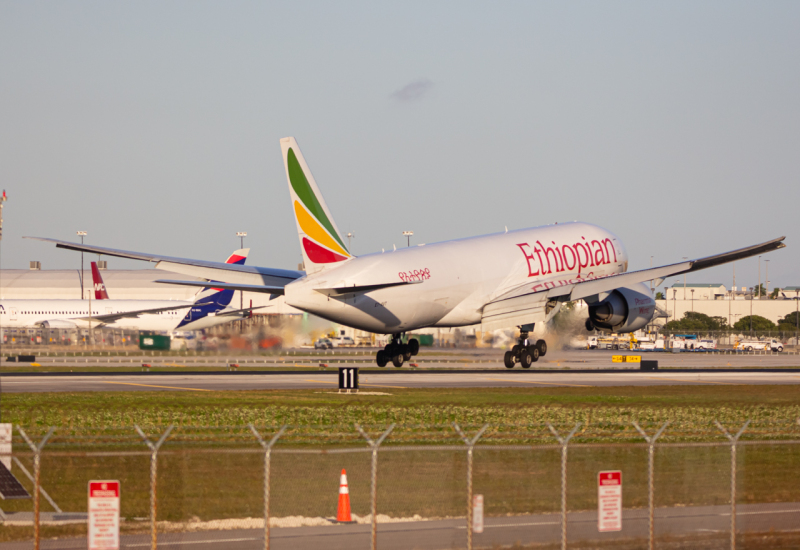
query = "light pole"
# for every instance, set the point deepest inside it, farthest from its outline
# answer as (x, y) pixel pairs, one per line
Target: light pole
(651, 280)
(241, 235)
(692, 300)
(674, 310)
(684, 281)
(349, 236)
(407, 235)
(81, 234)
(766, 280)
(751, 307)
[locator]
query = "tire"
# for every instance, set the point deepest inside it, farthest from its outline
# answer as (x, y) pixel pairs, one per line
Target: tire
(615, 346)
(508, 360)
(525, 359)
(515, 349)
(535, 354)
(749, 348)
(381, 358)
(397, 361)
(780, 349)
(407, 356)
(542, 345)
(589, 325)
(413, 346)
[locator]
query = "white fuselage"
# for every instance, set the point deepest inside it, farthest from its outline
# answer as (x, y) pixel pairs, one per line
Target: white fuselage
(458, 277)
(75, 314)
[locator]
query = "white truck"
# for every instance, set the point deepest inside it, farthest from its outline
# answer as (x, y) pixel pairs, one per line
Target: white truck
(650, 345)
(759, 345)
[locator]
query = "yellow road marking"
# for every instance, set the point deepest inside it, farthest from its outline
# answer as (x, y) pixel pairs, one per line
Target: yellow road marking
(152, 386)
(370, 385)
(544, 383)
(683, 380)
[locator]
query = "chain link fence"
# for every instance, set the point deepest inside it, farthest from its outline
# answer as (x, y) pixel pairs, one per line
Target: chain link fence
(684, 485)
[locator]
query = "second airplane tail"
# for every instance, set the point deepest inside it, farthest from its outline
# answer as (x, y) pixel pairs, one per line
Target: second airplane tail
(99, 286)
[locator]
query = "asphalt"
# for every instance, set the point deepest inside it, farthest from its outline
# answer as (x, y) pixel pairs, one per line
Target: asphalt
(385, 381)
(684, 522)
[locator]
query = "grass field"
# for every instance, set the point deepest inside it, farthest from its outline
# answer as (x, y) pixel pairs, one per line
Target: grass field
(430, 483)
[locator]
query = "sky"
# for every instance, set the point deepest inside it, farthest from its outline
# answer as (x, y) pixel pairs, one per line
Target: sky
(155, 126)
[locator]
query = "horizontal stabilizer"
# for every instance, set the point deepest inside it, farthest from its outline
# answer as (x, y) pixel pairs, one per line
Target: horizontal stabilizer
(239, 311)
(226, 286)
(361, 289)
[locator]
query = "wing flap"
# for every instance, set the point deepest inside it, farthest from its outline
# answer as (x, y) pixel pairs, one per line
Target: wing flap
(226, 286)
(362, 289)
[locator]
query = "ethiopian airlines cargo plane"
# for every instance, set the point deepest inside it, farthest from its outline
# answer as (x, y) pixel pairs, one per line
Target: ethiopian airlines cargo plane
(210, 308)
(516, 278)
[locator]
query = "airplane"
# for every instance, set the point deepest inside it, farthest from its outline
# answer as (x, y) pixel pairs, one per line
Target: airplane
(503, 280)
(209, 308)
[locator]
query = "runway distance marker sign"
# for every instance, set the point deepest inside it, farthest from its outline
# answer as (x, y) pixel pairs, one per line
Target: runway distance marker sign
(609, 501)
(104, 515)
(626, 358)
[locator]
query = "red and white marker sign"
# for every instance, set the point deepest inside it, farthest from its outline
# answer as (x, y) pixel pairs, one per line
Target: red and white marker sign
(477, 513)
(609, 501)
(104, 515)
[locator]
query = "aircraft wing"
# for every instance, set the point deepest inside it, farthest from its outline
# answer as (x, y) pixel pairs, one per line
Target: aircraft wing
(239, 311)
(111, 317)
(530, 299)
(230, 273)
(226, 286)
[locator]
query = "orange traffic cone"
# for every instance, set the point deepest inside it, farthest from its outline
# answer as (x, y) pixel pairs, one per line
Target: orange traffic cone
(343, 513)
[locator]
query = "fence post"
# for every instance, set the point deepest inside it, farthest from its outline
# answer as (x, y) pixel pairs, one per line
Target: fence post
(733, 439)
(564, 441)
(373, 496)
(470, 443)
(153, 471)
(651, 442)
(267, 455)
(37, 451)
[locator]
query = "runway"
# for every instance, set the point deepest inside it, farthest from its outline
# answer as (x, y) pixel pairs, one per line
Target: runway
(698, 522)
(384, 381)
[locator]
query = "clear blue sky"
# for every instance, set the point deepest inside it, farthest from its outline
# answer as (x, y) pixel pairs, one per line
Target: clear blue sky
(154, 126)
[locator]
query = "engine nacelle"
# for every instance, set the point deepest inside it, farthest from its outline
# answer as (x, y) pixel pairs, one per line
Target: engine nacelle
(57, 323)
(626, 309)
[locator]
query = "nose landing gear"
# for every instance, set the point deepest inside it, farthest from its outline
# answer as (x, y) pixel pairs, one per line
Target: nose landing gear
(524, 352)
(397, 352)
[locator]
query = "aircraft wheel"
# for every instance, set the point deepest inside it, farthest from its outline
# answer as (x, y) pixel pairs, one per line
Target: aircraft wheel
(535, 354)
(589, 325)
(413, 346)
(508, 360)
(381, 358)
(542, 345)
(397, 361)
(515, 349)
(525, 359)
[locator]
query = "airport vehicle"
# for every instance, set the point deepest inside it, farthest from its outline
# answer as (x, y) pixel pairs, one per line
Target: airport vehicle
(343, 342)
(607, 342)
(759, 345)
(512, 278)
(706, 344)
(209, 308)
(650, 345)
(323, 343)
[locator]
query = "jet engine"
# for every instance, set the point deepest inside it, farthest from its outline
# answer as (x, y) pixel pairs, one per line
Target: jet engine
(57, 323)
(626, 309)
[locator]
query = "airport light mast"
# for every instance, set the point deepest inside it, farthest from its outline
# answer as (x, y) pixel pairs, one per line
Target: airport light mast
(241, 235)
(81, 234)
(3, 199)
(407, 235)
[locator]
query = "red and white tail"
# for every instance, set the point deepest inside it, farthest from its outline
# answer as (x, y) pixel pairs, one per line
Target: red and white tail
(99, 287)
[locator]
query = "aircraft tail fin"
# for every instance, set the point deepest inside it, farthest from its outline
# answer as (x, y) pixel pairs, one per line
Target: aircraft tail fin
(219, 296)
(99, 286)
(320, 240)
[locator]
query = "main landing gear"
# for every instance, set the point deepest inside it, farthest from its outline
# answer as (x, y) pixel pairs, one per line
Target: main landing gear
(397, 352)
(524, 352)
